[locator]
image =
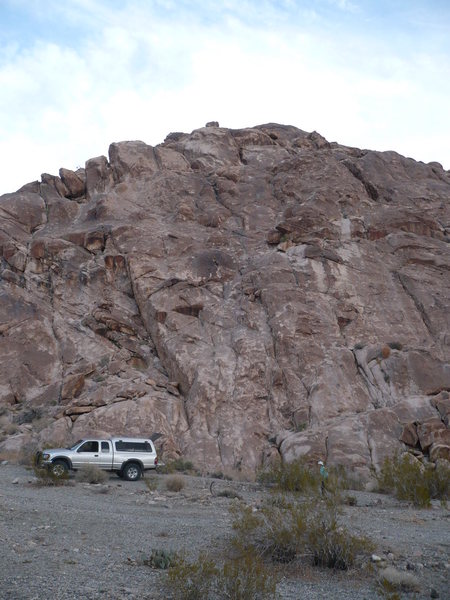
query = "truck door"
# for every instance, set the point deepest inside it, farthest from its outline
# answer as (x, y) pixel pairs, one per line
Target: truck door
(87, 454)
(105, 455)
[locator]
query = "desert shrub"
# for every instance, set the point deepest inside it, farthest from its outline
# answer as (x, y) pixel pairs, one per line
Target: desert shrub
(220, 475)
(246, 579)
(175, 483)
(192, 580)
(161, 559)
(296, 476)
(45, 477)
(228, 494)
(391, 582)
(274, 532)
(439, 480)
(410, 480)
(283, 531)
(243, 579)
(91, 474)
(333, 546)
(345, 479)
(179, 465)
(151, 483)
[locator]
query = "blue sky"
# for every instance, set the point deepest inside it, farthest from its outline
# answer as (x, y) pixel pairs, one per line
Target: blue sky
(76, 75)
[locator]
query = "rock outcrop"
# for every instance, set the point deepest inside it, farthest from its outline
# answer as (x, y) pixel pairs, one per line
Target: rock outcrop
(246, 293)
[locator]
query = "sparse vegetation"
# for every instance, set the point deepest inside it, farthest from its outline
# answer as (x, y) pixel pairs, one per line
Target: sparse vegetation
(179, 465)
(228, 494)
(391, 582)
(284, 530)
(91, 474)
(151, 483)
(162, 559)
(175, 483)
(295, 476)
(46, 477)
(243, 579)
(408, 479)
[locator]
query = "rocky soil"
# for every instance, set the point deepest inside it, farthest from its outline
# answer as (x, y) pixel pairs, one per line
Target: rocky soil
(249, 294)
(87, 541)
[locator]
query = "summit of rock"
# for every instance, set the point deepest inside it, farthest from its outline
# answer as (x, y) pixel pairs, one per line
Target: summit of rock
(248, 294)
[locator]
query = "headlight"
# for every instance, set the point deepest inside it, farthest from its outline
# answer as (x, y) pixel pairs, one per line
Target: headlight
(46, 456)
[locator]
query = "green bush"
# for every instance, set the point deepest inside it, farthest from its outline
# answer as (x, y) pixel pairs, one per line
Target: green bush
(409, 479)
(243, 579)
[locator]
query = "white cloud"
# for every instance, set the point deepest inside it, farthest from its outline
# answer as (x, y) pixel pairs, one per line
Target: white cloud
(139, 74)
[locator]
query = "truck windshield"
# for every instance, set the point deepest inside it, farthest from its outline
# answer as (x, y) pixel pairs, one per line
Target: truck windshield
(75, 445)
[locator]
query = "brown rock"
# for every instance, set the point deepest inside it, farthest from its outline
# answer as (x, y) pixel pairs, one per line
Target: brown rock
(409, 435)
(428, 431)
(74, 184)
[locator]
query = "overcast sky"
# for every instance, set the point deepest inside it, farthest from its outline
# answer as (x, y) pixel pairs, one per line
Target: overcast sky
(76, 75)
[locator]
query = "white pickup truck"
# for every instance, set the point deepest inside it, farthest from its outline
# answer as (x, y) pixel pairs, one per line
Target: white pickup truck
(128, 457)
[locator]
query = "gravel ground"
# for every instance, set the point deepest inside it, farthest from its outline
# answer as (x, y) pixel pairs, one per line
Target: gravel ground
(86, 541)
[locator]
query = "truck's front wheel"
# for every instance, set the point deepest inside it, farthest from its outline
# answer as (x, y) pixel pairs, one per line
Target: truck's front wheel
(59, 469)
(131, 472)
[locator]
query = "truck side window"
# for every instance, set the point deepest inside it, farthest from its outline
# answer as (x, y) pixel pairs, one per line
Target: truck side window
(89, 447)
(105, 447)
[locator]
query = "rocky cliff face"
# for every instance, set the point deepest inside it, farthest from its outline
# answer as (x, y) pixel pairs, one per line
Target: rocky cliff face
(246, 293)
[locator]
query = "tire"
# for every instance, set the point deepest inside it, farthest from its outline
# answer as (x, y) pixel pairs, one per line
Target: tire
(132, 472)
(59, 469)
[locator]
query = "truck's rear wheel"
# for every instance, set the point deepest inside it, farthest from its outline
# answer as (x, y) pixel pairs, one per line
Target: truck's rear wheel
(59, 469)
(131, 472)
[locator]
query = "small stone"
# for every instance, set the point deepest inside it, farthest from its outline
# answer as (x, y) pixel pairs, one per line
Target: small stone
(375, 558)
(4, 462)
(15, 480)
(390, 556)
(434, 593)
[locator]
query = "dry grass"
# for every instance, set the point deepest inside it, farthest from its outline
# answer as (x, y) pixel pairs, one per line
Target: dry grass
(175, 483)
(91, 474)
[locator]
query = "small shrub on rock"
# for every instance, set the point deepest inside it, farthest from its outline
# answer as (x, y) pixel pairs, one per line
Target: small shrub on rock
(175, 483)
(91, 474)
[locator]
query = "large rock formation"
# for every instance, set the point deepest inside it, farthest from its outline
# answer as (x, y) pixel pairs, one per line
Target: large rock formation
(246, 293)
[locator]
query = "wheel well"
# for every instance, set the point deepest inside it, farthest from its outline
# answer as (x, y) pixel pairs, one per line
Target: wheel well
(132, 461)
(63, 459)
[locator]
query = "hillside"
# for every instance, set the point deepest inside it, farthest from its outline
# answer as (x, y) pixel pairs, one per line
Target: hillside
(246, 293)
